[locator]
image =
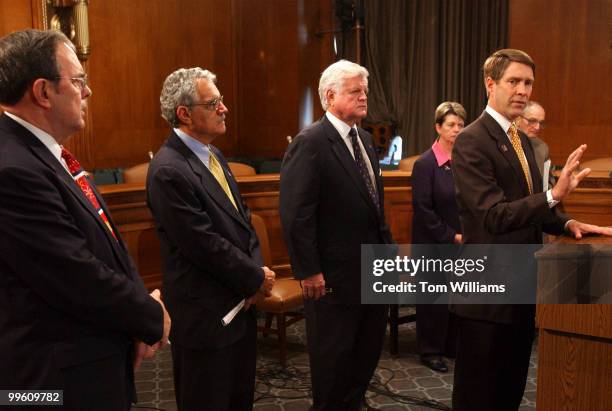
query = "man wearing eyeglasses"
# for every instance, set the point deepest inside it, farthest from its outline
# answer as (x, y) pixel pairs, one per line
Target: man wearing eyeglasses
(73, 309)
(212, 259)
(531, 122)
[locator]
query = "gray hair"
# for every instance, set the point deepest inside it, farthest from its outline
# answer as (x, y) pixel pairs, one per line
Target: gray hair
(333, 77)
(179, 89)
(530, 104)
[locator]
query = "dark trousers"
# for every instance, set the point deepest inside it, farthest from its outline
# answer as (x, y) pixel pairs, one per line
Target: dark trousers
(491, 365)
(436, 330)
(217, 379)
(344, 345)
(100, 385)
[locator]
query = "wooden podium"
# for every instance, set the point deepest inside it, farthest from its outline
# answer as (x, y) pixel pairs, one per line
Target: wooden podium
(575, 353)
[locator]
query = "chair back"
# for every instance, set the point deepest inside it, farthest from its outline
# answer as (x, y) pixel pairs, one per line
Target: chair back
(136, 174)
(264, 242)
(407, 163)
(241, 169)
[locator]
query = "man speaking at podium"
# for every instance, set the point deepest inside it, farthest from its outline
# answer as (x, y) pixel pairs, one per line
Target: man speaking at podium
(500, 199)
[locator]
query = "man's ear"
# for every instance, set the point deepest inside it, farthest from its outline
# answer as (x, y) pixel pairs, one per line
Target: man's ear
(183, 114)
(40, 92)
(329, 95)
(489, 85)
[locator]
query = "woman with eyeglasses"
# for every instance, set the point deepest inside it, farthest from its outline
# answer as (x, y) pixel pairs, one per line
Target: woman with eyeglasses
(436, 221)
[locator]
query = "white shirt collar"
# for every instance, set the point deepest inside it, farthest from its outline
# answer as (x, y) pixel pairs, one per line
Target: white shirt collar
(500, 118)
(43, 136)
(342, 128)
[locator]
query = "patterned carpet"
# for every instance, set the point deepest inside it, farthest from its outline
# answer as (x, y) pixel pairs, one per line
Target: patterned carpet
(288, 390)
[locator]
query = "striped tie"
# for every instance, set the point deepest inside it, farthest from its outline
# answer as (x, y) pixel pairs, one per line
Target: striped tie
(516, 143)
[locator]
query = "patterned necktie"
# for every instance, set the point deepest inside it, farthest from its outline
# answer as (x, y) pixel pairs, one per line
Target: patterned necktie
(80, 177)
(516, 143)
(217, 172)
(363, 169)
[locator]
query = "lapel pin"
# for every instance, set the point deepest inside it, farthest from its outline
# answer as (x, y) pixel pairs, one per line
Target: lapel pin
(503, 148)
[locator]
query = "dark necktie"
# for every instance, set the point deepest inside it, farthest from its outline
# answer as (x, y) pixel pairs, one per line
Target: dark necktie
(363, 169)
(79, 176)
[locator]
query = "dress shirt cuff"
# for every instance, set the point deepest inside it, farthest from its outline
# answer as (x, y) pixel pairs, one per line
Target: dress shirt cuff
(567, 223)
(551, 201)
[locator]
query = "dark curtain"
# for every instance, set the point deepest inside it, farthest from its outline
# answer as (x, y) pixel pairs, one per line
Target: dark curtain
(422, 52)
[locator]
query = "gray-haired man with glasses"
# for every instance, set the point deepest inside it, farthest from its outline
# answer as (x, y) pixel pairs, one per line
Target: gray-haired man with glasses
(212, 259)
(531, 122)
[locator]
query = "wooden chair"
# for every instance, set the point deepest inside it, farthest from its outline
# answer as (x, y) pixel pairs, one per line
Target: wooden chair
(407, 163)
(136, 174)
(241, 169)
(286, 296)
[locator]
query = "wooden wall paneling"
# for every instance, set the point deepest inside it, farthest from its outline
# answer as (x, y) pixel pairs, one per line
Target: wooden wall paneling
(268, 66)
(135, 45)
(16, 15)
(280, 58)
(570, 43)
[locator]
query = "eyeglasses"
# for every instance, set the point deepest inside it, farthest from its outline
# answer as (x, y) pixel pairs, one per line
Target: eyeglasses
(80, 82)
(210, 105)
(533, 121)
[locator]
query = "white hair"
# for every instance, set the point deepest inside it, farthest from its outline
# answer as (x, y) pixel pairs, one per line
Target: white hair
(179, 89)
(531, 104)
(333, 77)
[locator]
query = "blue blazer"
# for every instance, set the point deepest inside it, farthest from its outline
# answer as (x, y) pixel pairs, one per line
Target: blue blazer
(436, 217)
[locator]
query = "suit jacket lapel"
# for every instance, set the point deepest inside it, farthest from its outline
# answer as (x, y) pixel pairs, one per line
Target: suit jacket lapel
(505, 147)
(347, 161)
(46, 157)
(209, 182)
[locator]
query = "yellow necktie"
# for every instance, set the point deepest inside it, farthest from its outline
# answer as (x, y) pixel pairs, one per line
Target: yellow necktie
(516, 143)
(217, 172)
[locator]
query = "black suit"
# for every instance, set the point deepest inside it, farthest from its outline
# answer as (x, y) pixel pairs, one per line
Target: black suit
(211, 261)
(327, 214)
(71, 301)
(495, 207)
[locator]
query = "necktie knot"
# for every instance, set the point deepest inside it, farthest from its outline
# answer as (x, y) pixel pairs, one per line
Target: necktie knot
(217, 171)
(80, 177)
(363, 169)
(73, 165)
(520, 153)
(353, 135)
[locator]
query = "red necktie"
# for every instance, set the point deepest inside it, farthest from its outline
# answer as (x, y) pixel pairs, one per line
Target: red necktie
(79, 176)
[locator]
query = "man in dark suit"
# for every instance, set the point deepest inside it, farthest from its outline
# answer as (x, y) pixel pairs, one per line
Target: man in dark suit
(331, 202)
(74, 312)
(211, 254)
(500, 199)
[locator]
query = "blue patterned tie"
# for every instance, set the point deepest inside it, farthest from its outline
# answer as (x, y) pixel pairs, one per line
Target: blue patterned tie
(363, 169)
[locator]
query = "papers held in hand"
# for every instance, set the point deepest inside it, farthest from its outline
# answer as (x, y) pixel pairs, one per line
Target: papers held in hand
(232, 313)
